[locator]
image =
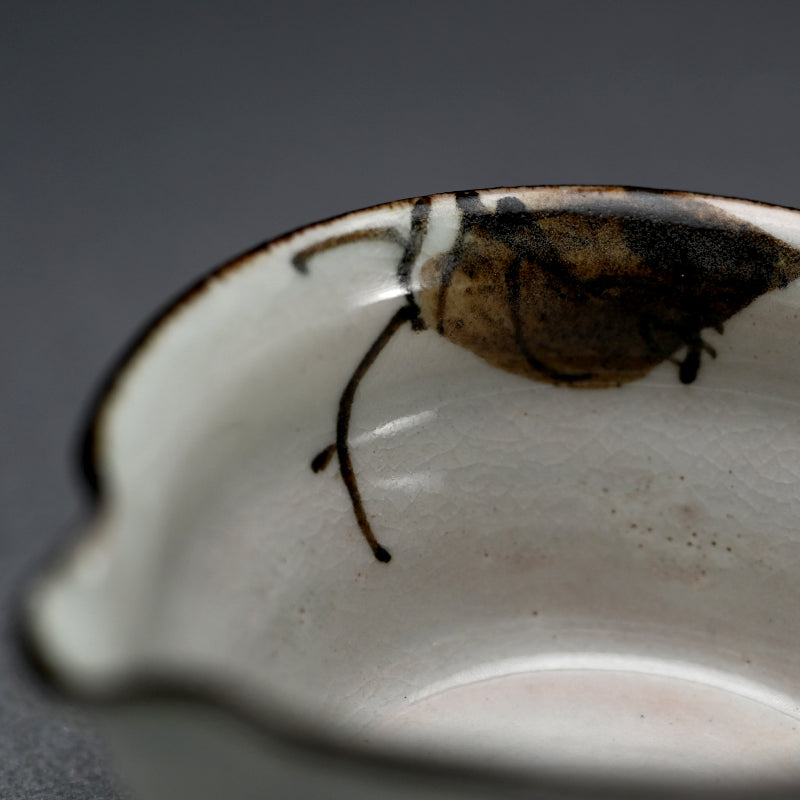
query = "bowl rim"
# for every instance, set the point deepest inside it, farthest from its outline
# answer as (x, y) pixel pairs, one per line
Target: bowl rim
(89, 430)
(202, 689)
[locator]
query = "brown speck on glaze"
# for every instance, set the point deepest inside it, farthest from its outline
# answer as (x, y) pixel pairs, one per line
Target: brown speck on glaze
(593, 292)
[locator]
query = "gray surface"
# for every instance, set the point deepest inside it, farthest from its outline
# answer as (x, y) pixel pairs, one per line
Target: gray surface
(144, 143)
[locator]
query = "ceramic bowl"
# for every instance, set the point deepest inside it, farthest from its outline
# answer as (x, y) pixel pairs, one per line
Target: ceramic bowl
(486, 492)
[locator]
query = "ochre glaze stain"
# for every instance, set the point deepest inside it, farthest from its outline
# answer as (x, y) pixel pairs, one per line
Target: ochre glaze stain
(591, 293)
(595, 299)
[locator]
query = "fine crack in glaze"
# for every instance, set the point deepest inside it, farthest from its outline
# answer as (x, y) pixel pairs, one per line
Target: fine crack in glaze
(592, 292)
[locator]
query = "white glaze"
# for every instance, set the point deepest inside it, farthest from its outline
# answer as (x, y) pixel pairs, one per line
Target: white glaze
(651, 527)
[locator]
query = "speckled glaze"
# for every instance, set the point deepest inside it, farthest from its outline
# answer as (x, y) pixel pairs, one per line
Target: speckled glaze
(565, 422)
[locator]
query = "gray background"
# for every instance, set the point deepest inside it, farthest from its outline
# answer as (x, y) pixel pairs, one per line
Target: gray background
(143, 143)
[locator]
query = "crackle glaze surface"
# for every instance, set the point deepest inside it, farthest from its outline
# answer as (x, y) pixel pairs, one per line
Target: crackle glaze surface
(593, 289)
(584, 579)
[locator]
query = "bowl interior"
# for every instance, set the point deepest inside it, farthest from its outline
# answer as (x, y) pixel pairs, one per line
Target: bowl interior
(595, 580)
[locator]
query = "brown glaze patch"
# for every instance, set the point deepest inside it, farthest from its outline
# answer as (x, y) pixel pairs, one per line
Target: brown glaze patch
(598, 296)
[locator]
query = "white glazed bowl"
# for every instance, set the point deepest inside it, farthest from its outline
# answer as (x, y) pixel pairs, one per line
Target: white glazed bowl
(592, 591)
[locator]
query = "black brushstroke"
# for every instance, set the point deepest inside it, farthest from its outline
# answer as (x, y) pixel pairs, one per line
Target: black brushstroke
(401, 317)
(513, 299)
(300, 260)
